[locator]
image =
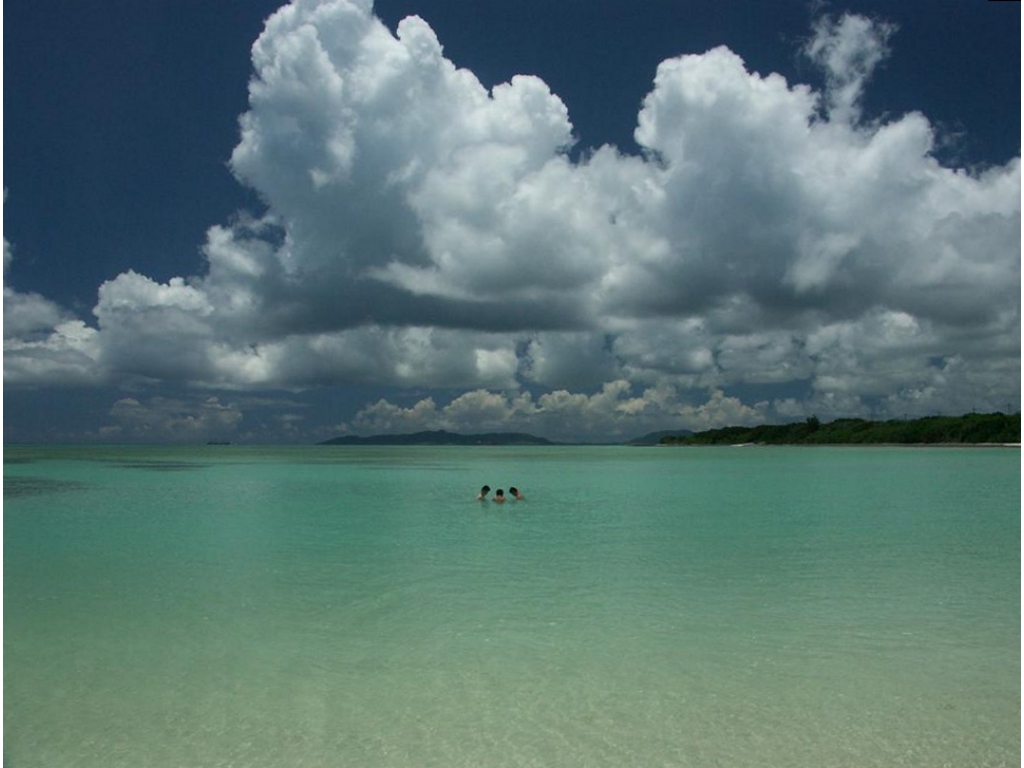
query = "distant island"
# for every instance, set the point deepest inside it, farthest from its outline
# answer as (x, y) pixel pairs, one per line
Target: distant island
(442, 437)
(971, 429)
(654, 438)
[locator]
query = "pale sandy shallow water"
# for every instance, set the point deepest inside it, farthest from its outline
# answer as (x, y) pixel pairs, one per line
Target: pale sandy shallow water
(231, 606)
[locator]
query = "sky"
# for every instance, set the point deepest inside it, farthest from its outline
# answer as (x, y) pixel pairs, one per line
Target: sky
(583, 220)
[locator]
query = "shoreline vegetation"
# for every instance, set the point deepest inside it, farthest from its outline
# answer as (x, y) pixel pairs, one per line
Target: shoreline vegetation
(994, 429)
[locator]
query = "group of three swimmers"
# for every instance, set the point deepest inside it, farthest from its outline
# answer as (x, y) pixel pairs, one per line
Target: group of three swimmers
(499, 495)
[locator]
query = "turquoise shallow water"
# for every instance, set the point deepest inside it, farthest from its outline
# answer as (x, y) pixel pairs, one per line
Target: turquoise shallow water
(234, 606)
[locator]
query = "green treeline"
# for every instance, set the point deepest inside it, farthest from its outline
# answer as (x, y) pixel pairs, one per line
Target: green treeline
(971, 428)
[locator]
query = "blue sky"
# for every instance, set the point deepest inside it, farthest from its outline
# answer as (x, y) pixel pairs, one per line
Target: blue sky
(573, 219)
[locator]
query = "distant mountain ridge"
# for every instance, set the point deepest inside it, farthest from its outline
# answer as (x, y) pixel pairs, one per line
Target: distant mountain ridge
(442, 437)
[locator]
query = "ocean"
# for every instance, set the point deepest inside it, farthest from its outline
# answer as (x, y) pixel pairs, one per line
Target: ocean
(215, 606)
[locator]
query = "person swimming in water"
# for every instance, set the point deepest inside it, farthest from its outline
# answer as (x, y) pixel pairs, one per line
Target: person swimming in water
(515, 493)
(482, 496)
(499, 496)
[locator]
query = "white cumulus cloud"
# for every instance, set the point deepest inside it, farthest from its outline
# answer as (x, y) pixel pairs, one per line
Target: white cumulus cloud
(423, 231)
